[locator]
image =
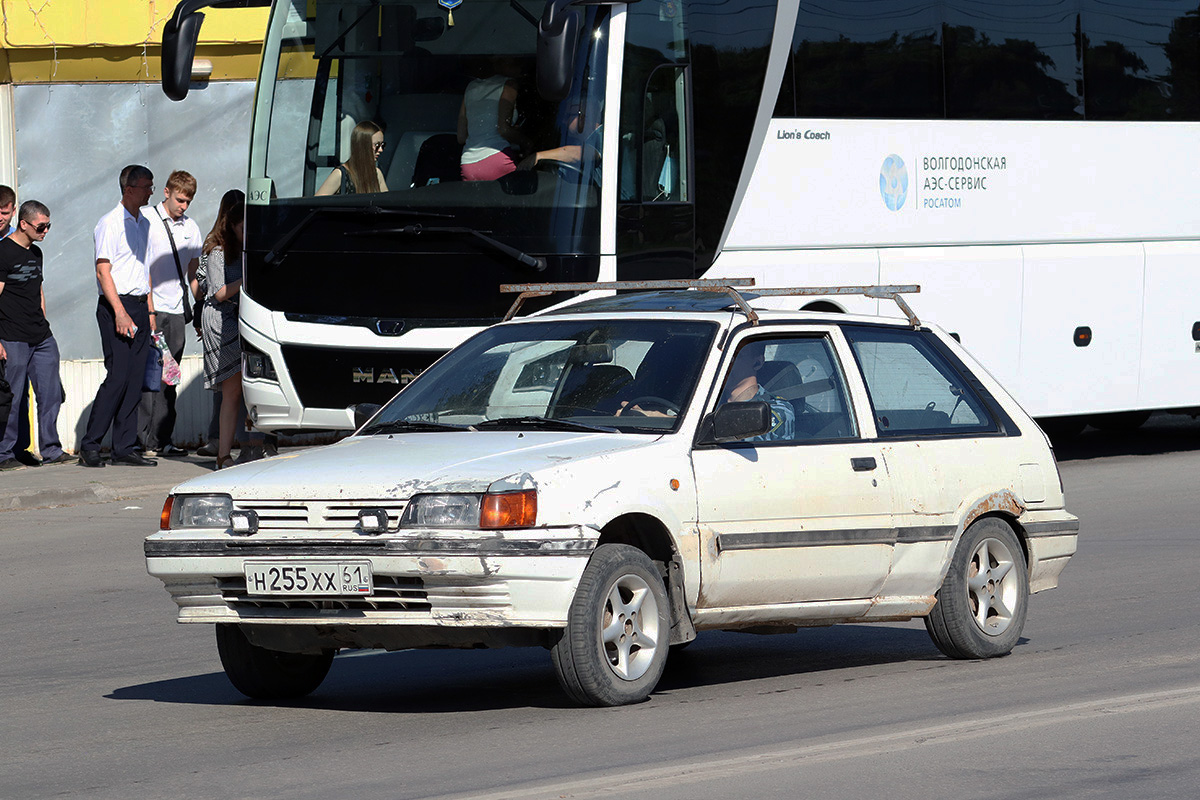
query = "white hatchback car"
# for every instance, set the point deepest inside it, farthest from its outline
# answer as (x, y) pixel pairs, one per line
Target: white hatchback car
(610, 478)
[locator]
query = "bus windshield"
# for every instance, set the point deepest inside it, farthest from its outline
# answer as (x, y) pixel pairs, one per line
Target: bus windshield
(432, 115)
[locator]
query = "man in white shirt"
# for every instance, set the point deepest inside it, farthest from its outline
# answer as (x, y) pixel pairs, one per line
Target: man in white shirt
(172, 255)
(123, 314)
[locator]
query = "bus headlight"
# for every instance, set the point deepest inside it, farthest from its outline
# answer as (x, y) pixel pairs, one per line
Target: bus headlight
(257, 364)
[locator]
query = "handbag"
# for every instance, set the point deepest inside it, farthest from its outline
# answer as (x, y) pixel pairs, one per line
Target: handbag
(152, 377)
(189, 311)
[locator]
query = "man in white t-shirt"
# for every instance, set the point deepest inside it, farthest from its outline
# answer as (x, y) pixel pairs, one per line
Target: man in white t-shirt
(123, 315)
(172, 255)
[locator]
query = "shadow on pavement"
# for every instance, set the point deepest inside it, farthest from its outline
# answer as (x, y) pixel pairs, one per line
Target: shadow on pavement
(446, 681)
(1162, 433)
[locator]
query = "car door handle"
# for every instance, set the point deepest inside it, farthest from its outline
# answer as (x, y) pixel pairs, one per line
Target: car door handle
(863, 464)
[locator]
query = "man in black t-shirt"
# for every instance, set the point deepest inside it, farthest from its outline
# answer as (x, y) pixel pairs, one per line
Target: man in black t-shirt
(25, 334)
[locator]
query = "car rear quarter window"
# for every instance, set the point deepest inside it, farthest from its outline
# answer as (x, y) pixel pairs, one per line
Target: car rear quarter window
(914, 389)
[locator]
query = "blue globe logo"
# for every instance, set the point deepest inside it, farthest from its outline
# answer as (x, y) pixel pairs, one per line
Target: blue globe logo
(893, 182)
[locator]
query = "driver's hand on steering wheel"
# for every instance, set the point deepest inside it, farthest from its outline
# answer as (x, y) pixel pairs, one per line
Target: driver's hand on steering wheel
(638, 411)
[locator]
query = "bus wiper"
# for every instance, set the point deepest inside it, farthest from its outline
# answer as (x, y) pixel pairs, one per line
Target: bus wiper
(412, 426)
(283, 243)
(544, 423)
(536, 262)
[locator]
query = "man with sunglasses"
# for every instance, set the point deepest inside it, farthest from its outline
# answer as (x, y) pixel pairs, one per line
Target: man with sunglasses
(25, 336)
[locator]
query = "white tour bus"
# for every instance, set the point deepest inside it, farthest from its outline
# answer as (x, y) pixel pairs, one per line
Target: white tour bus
(1030, 165)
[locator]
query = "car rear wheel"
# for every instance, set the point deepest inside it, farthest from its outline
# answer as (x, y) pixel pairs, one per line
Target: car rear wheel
(268, 674)
(981, 606)
(615, 645)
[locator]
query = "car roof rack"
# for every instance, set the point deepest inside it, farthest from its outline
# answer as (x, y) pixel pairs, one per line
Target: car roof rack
(729, 286)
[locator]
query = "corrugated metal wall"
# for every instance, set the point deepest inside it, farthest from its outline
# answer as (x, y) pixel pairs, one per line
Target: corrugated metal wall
(82, 378)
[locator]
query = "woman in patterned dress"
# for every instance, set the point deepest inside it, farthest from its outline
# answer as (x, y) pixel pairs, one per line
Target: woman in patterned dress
(219, 315)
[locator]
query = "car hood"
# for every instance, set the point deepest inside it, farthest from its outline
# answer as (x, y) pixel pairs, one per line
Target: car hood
(401, 465)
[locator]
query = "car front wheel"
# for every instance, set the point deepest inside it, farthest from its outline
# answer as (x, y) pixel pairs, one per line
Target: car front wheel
(614, 647)
(265, 674)
(981, 606)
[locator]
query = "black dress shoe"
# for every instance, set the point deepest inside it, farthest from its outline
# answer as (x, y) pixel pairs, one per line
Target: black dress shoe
(90, 458)
(134, 459)
(171, 451)
(26, 458)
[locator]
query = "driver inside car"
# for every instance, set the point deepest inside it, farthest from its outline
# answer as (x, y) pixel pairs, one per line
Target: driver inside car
(742, 386)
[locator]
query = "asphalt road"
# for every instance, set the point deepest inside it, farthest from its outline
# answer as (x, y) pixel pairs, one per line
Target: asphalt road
(105, 696)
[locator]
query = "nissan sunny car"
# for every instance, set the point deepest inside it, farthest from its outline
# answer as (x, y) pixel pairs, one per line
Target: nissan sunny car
(610, 479)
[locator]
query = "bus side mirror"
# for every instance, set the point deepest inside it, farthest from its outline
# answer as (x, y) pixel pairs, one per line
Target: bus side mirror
(557, 43)
(180, 35)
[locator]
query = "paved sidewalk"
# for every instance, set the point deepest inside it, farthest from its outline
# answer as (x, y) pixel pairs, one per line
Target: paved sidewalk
(72, 484)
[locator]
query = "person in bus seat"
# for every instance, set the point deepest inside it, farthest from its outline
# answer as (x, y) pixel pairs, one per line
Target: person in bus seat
(580, 141)
(360, 174)
(492, 143)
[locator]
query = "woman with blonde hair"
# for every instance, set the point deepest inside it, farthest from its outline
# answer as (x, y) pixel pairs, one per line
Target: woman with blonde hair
(223, 259)
(359, 175)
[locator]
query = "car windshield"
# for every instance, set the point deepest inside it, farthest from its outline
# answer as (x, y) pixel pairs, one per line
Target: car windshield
(628, 376)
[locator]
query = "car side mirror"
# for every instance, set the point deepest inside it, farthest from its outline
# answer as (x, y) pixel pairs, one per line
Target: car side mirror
(363, 412)
(732, 422)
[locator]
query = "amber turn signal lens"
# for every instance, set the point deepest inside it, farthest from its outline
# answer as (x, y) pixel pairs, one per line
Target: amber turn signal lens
(164, 521)
(509, 510)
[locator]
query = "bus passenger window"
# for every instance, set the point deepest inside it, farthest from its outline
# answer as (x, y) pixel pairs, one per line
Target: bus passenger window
(664, 152)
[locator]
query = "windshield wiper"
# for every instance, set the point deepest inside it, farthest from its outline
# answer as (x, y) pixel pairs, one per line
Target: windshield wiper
(284, 243)
(544, 423)
(536, 262)
(412, 426)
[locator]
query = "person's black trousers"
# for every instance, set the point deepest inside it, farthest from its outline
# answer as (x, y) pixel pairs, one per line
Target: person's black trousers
(156, 414)
(116, 403)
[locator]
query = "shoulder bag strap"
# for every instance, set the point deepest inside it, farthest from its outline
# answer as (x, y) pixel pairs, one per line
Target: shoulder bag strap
(178, 266)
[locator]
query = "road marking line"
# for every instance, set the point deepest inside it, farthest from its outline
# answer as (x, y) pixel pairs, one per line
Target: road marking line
(693, 770)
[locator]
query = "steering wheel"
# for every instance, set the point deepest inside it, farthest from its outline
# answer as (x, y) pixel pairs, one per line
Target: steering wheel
(561, 166)
(653, 400)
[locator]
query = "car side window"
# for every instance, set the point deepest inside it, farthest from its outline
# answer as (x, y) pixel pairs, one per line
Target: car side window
(800, 379)
(913, 388)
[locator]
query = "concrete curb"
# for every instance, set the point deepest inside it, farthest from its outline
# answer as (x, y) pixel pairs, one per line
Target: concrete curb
(46, 498)
(93, 491)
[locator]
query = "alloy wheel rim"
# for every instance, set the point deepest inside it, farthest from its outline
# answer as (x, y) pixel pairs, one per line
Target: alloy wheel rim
(993, 587)
(629, 630)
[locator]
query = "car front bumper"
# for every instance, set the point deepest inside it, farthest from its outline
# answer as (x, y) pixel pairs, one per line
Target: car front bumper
(465, 579)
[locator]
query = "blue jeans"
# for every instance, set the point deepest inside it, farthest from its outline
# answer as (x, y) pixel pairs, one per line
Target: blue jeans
(38, 364)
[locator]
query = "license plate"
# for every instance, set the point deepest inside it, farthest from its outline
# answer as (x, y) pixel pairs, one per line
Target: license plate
(308, 578)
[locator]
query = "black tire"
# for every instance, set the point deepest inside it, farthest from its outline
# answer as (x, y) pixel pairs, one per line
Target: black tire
(1062, 429)
(1119, 421)
(268, 674)
(625, 668)
(982, 617)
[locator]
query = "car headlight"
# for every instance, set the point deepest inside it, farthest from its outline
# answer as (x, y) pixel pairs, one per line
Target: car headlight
(489, 511)
(442, 511)
(198, 511)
